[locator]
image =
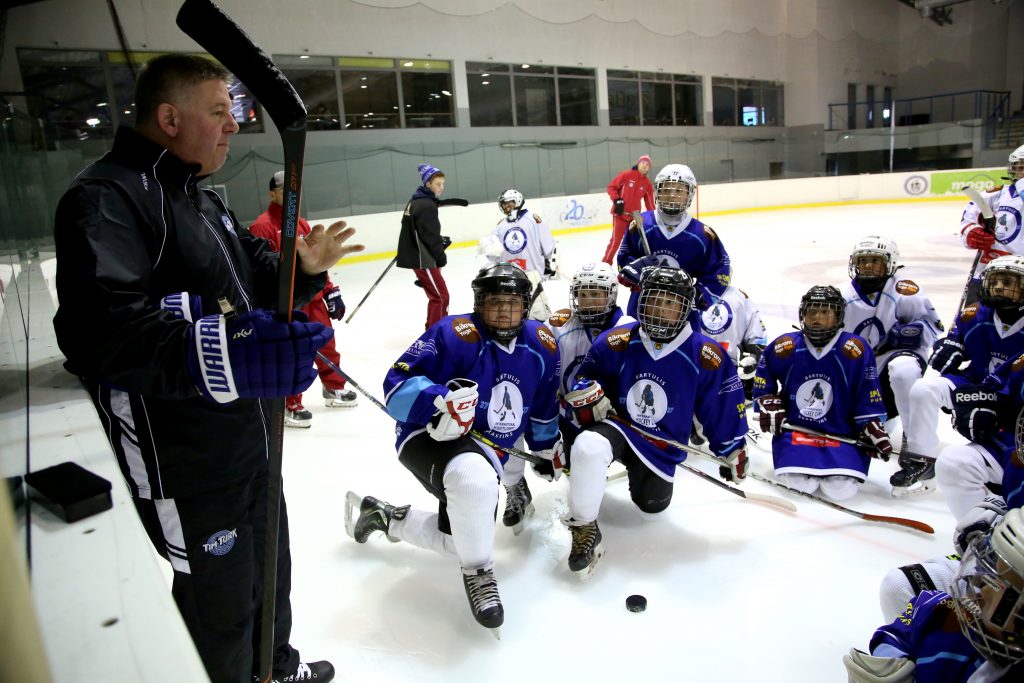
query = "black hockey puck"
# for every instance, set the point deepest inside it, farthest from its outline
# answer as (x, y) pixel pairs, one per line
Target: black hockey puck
(636, 603)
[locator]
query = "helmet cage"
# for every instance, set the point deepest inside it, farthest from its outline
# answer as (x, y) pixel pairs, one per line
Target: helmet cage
(666, 194)
(998, 269)
(819, 297)
(502, 278)
(1015, 164)
(662, 291)
(511, 195)
(873, 246)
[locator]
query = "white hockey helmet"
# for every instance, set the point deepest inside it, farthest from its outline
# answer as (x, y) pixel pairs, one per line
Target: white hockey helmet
(669, 183)
(516, 198)
(593, 293)
(1010, 295)
(874, 245)
(989, 591)
(1015, 164)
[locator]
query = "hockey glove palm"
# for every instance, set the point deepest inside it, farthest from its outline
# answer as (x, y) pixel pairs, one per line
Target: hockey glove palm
(335, 304)
(588, 402)
(863, 668)
(554, 462)
(974, 411)
(455, 412)
(978, 520)
(979, 238)
(735, 467)
(253, 355)
(904, 336)
(772, 413)
(873, 434)
(947, 355)
(631, 273)
(620, 207)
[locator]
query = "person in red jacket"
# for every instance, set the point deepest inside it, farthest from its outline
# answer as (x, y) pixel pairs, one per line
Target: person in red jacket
(626, 190)
(324, 307)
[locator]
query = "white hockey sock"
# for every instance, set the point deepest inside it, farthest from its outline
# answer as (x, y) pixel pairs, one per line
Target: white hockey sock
(903, 372)
(591, 456)
(928, 395)
(962, 472)
(801, 482)
(419, 528)
(471, 486)
(839, 487)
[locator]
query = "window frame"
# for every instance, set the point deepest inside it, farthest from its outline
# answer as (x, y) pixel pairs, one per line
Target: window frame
(522, 70)
(676, 83)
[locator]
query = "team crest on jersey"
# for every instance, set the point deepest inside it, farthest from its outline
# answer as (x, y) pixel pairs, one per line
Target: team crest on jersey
(547, 340)
(853, 348)
(618, 339)
(711, 356)
(1008, 223)
(907, 287)
(871, 330)
(505, 410)
(646, 402)
(717, 317)
(221, 542)
(814, 398)
(465, 329)
(514, 240)
(784, 346)
(666, 260)
(559, 317)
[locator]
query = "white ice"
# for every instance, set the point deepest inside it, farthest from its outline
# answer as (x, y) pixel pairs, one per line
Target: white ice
(736, 591)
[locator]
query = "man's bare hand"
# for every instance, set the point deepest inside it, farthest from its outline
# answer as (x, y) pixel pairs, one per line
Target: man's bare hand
(324, 247)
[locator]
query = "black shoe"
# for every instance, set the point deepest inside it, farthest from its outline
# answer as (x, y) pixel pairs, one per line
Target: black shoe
(914, 476)
(482, 592)
(320, 672)
(373, 515)
(518, 506)
(586, 548)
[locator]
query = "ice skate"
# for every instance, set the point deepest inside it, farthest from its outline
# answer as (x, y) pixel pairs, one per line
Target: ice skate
(518, 506)
(363, 516)
(484, 601)
(340, 398)
(298, 418)
(586, 548)
(914, 477)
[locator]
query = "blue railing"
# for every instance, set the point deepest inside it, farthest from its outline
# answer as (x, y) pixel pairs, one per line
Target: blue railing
(989, 105)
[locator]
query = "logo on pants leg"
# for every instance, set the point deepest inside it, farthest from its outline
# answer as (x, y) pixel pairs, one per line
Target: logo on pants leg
(221, 542)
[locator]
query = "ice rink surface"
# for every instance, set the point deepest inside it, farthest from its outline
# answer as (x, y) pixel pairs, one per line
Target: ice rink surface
(737, 591)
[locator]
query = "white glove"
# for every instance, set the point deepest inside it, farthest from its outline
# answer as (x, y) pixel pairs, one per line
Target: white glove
(746, 366)
(490, 247)
(455, 411)
(863, 668)
(556, 462)
(589, 402)
(978, 520)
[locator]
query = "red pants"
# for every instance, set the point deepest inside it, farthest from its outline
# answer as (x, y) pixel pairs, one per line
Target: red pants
(317, 313)
(436, 291)
(619, 225)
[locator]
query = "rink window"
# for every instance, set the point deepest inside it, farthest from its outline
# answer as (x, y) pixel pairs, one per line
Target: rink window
(647, 98)
(527, 94)
(740, 102)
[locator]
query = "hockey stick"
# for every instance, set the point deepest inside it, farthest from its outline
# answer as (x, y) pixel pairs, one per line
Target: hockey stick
(986, 212)
(638, 225)
(920, 457)
(528, 457)
(219, 35)
(367, 295)
(885, 519)
(774, 501)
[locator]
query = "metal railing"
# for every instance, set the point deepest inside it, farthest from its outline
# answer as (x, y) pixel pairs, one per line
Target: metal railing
(989, 105)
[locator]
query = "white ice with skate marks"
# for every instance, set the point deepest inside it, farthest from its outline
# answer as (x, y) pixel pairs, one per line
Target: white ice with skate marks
(737, 591)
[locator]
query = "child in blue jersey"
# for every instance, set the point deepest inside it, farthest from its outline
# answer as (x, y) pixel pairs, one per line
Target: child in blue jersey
(676, 239)
(506, 371)
(825, 379)
(973, 634)
(650, 379)
(987, 334)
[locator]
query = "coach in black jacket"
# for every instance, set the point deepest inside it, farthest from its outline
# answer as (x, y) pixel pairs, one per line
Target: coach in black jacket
(148, 262)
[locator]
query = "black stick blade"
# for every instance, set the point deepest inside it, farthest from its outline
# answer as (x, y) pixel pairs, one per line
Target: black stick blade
(206, 23)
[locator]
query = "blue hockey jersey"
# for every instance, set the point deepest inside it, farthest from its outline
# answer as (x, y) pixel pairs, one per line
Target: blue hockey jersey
(662, 387)
(833, 390)
(1009, 378)
(518, 383)
(989, 342)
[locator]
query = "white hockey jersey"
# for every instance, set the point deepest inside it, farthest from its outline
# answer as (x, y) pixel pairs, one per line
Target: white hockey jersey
(526, 241)
(1008, 207)
(900, 301)
(732, 320)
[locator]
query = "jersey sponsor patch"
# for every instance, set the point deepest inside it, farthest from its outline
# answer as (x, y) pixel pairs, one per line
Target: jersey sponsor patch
(711, 356)
(1017, 458)
(559, 317)
(618, 339)
(907, 287)
(816, 441)
(547, 340)
(853, 348)
(784, 346)
(536, 218)
(969, 312)
(709, 233)
(1018, 363)
(465, 329)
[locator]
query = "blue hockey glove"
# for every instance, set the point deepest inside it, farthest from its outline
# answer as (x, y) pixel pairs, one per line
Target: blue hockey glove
(335, 304)
(904, 336)
(588, 402)
(947, 355)
(253, 355)
(975, 414)
(631, 273)
(184, 306)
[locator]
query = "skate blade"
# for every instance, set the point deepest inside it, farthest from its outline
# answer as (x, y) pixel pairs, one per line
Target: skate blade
(496, 632)
(915, 489)
(352, 502)
(527, 513)
(584, 574)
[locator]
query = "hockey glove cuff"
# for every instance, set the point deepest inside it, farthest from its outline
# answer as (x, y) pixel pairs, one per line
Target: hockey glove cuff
(184, 306)
(735, 467)
(772, 412)
(588, 402)
(253, 355)
(455, 412)
(335, 304)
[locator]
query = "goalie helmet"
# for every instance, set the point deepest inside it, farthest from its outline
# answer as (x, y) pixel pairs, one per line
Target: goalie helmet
(666, 299)
(822, 297)
(989, 591)
(669, 185)
(593, 293)
(513, 196)
(1002, 285)
(874, 245)
(502, 278)
(1015, 164)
